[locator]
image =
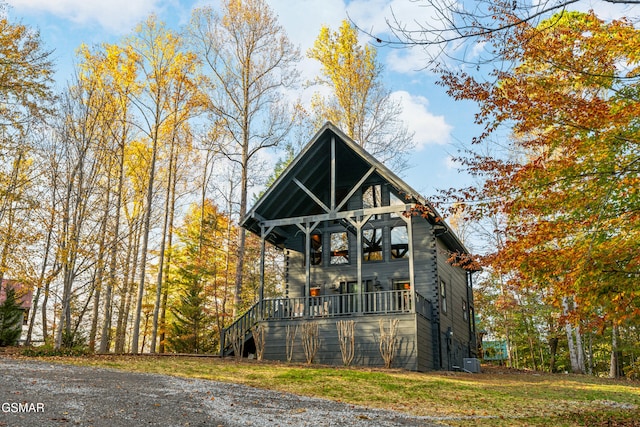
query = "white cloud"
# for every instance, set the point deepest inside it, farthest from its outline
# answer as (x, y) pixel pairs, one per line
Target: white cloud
(428, 127)
(408, 61)
(117, 16)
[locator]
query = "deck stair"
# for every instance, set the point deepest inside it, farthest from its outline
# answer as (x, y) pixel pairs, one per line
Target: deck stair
(239, 332)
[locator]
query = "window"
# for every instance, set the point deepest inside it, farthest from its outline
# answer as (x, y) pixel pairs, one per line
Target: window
(348, 300)
(443, 296)
(395, 201)
(372, 244)
(372, 198)
(339, 248)
(403, 300)
(316, 249)
(399, 242)
(401, 285)
(465, 312)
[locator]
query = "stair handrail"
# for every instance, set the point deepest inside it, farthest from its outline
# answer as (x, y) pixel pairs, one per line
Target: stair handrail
(243, 323)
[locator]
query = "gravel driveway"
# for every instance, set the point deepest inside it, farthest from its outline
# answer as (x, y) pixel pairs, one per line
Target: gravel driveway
(44, 394)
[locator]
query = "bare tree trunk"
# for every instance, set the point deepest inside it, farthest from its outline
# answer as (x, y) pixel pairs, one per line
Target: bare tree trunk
(165, 226)
(580, 350)
(242, 237)
(575, 347)
(530, 341)
(165, 295)
(105, 337)
(614, 365)
(228, 254)
(100, 272)
(43, 272)
(145, 244)
(67, 268)
(553, 350)
(127, 289)
(45, 301)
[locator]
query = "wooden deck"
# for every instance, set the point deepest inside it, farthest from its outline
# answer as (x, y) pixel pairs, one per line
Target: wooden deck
(324, 307)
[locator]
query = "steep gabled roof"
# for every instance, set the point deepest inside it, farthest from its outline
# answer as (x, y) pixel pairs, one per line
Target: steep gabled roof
(304, 188)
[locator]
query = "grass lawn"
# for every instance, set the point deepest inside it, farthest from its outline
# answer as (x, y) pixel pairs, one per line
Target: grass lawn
(496, 397)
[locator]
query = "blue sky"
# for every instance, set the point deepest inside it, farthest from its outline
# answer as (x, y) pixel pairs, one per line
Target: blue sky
(441, 125)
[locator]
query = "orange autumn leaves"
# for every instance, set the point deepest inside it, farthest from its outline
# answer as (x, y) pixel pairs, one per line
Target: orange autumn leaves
(567, 189)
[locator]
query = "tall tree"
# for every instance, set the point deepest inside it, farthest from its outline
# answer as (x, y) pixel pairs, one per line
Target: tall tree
(26, 73)
(570, 192)
(166, 71)
(82, 134)
(360, 104)
(250, 62)
(114, 71)
(199, 312)
(25, 99)
(458, 31)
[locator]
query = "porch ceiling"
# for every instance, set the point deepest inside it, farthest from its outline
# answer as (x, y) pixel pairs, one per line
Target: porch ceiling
(286, 199)
(305, 188)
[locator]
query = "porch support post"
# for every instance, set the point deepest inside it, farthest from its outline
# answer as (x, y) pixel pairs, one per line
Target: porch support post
(307, 272)
(307, 229)
(412, 283)
(333, 174)
(359, 264)
(358, 222)
(264, 232)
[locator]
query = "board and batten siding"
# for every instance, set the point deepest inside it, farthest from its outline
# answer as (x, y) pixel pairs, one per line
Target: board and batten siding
(426, 281)
(424, 339)
(367, 339)
(455, 280)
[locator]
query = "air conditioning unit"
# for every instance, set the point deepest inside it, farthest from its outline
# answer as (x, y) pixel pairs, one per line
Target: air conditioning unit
(471, 364)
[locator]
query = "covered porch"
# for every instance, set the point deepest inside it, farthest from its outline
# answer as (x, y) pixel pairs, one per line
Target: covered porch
(353, 306)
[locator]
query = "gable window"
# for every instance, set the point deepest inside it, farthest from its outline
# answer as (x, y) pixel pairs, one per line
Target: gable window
(443, 296)
(339, 248)
(372, 244)
(395, 201)
(399, 242)
(372, 198)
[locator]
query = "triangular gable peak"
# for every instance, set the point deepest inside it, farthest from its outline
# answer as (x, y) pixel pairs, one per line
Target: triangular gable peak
(318, 184)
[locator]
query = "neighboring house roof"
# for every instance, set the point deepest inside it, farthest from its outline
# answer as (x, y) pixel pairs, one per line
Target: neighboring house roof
(311, 168)
(24, 293)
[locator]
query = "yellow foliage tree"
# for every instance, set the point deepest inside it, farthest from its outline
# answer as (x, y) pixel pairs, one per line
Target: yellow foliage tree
(360, 104)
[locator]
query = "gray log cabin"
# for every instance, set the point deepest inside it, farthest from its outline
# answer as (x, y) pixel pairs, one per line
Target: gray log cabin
(354, 251)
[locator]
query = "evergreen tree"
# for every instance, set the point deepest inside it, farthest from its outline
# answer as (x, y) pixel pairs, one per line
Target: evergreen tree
(10, 319)
(190, 329)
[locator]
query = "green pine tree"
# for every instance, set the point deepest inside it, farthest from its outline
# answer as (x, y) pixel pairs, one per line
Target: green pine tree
(11, 314)
(190, 329)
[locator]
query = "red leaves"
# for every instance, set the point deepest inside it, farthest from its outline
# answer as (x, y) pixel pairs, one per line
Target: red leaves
(568, 183)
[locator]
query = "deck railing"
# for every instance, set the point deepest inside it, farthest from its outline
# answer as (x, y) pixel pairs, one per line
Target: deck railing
(380, 302)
